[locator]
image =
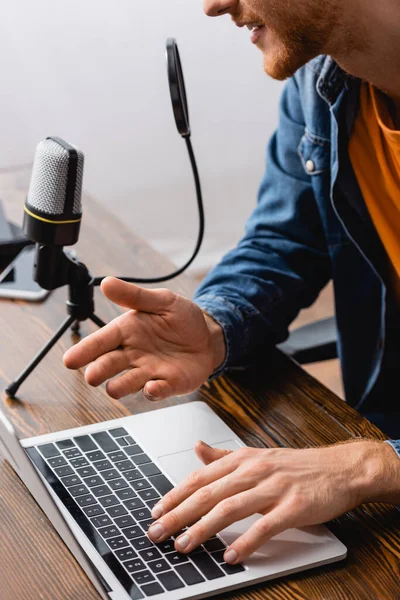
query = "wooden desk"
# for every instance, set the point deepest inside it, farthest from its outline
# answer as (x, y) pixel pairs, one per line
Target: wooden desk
(277, 405)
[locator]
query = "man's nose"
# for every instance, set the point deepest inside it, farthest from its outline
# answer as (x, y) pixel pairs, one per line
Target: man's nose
(216, 8)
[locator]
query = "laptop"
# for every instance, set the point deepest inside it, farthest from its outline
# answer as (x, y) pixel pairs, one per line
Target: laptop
(98, 483)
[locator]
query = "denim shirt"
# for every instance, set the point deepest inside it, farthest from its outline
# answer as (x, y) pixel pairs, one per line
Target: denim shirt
(310, 225)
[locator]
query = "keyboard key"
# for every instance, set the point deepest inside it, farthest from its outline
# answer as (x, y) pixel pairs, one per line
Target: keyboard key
(117, 511)
(57, 461)
(133, 504)
(63, 444)
(214, 544)
(86, 471)
(111, 474)
(117, 542)
(72, 453)
(117, 484)
(118, 432)
(109, 532)
(206, 565)
(101, 521)
(101, 490)
(151, 503)
(130, 440)
(219, 556)
(148, 494)
(86, 500)
(166, 546)
(96, 455)
(132, 475)
(233, 569)
(150, 554)
(141, 514)
(133, 450)
(122, 442)
(71, 480)
(124, 465)
(125, 494)
(140, 459)
(141, 543)
(93, 481)
(125, 521)
(146, 524)
(102, 465)
(150, 469)
(134, 565)
(152, 589)
(175, 558)
(132, 532)
(126, 553)
(116, 456)
(105, 441)
(157, 566)
(143, 577)
(170, 581)
(140, 484)
(49, 450)
(189, 574)
(64, 471)
(161, 484)
(108, 501)
(78, 490)
(85, 443)
(78, 462)
(93, 511)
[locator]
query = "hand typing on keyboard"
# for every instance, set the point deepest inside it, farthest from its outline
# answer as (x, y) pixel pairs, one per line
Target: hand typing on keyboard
(290, 488)
(164, 345)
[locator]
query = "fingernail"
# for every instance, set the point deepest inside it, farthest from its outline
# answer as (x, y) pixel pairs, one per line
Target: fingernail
(150, 396)
(157, 511)
(230, 556)
(156, 531)
(184, 541)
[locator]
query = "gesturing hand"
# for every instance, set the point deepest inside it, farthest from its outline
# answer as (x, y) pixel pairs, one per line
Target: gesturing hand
(290, 488)
(162, 344)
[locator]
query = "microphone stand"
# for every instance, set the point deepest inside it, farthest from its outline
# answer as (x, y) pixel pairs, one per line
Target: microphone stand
(56, 269)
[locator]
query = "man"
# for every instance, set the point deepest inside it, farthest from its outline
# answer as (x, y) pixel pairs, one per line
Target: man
(329, 207)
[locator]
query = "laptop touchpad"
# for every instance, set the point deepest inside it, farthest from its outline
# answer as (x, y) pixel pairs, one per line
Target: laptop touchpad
(180, 464)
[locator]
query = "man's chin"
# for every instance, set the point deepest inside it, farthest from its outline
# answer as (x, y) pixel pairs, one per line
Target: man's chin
(281, 64)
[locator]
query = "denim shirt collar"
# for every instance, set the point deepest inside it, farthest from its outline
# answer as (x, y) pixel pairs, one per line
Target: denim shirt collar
(332, 79)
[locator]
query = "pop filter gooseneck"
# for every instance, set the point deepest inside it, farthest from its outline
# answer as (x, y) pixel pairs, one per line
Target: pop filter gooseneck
(181, 114)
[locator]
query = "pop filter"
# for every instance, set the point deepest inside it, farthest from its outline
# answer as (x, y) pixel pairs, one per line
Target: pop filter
(177, 88)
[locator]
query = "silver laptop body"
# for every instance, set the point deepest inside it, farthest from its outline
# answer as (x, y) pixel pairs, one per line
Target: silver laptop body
(98, 483)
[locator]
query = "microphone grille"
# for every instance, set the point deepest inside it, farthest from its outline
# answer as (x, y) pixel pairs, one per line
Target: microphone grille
(48, 185)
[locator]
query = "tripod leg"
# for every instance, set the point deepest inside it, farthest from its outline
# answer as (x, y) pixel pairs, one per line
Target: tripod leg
(96, 320)
(12, 389)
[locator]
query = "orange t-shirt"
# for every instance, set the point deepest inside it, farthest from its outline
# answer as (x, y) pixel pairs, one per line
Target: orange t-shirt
(375, 155)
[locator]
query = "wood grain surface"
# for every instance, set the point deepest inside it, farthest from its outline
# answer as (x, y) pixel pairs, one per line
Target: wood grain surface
(273, 404)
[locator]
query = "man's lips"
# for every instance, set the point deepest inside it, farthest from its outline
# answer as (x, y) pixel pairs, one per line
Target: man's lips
(255, 27)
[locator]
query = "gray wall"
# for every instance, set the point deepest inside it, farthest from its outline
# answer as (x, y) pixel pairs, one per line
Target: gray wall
(93, 72)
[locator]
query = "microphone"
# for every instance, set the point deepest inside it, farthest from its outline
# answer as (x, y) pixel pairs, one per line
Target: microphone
(53, 208)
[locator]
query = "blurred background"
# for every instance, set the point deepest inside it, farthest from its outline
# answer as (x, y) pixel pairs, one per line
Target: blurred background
(94, 73)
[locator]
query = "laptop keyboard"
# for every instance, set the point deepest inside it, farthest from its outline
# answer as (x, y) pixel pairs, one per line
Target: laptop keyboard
(109, 485)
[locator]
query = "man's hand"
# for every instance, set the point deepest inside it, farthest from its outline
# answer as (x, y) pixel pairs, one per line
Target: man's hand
(163, 345)
(290, 488)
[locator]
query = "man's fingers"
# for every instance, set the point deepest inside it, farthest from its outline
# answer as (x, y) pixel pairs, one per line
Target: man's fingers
(128, 383)
(131, 296)
(87, 350)
(107, 366)
(274, 522)
(220, 504)
(195, 481)
(207, 454)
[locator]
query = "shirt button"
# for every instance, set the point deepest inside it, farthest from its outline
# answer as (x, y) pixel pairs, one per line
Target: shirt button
(310, 166)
